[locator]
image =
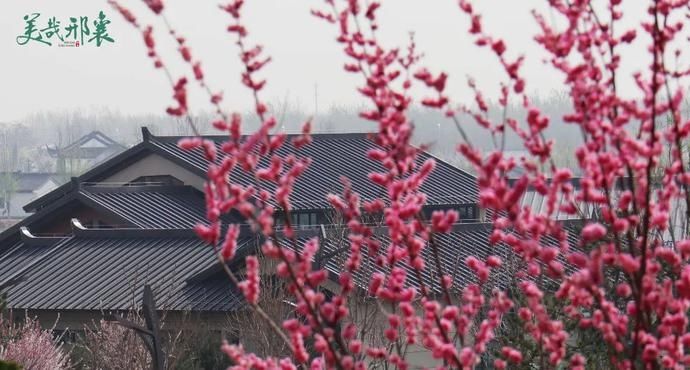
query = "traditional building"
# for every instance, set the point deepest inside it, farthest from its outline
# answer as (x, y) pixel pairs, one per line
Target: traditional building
(90, 245)
(20, 188)
(87, 151)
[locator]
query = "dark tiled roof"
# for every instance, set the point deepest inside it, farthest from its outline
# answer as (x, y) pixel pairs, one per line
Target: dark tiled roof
(18, 257)
(107, 269)
(333, 156)
(145, 207)
(538, 204)
(151, 207)
(454, 248)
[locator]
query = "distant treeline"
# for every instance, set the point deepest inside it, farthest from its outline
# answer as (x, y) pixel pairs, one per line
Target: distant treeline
(29, 135)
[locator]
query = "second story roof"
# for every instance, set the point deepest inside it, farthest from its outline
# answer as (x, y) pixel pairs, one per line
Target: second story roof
(151, 206)
(105, 270)
(333, 156)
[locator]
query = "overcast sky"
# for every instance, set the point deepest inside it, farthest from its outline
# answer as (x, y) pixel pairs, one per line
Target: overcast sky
(306, 68)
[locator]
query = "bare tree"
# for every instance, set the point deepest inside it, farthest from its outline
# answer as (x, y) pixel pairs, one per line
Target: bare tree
(252, 331)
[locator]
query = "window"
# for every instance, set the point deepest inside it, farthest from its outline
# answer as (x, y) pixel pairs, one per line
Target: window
(301, 219)
(467, 212)
(156, 180)
(95, 224)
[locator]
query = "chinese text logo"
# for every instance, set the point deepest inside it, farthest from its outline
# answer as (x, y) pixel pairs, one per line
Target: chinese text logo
(76, 33)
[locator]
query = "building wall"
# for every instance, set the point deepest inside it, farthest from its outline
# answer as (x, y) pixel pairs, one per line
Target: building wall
(154, 165)
(230, 325)
(19, 200)
(62, 223)
(45, 189)
(79, 319)
(366, 314)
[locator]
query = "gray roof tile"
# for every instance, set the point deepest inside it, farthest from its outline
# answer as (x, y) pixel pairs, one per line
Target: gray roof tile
(334, 156)
(88, 272)
(151, 207)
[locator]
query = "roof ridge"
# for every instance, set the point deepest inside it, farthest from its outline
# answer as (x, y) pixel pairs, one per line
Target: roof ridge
(245, 230)
(147, 135)
(134, 188)
(30, 239)
(94, 134)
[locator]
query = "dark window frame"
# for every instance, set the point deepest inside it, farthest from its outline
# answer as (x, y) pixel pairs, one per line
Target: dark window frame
(466, 212)
(303, 219)
(156, 179)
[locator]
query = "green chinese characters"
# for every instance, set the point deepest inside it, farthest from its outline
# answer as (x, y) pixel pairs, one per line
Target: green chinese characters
(77, 31)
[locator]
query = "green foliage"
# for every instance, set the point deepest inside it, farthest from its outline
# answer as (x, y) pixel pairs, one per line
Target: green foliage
(204, 354)
(512, 333)
(8, 365)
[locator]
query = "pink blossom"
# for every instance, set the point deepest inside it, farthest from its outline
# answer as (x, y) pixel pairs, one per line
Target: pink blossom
(624, 285)
(230, 242)
(250, 287)
(592, 232)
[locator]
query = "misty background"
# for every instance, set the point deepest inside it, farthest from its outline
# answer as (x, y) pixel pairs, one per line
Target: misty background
(25, 142)
(53, 96)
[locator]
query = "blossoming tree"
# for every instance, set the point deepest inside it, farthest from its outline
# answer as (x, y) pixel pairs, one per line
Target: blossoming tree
(620, 283)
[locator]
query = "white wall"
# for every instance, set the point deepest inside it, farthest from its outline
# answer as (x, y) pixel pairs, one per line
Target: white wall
(153, 165)
(19, 200)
